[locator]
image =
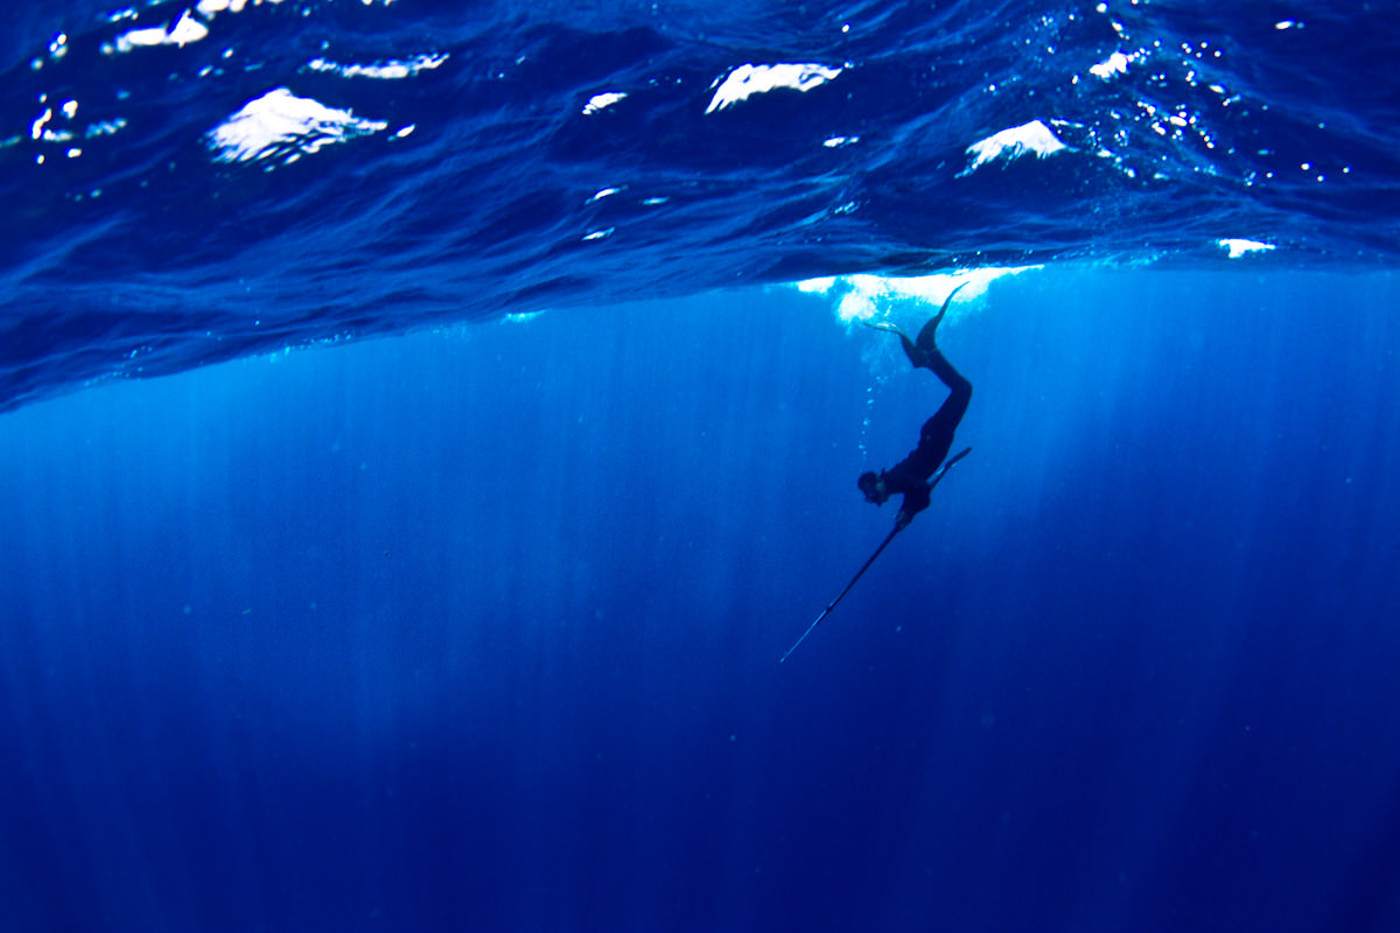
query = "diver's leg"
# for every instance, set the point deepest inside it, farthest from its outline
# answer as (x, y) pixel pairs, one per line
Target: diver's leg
(924, 351)
(959, 388)
(935, 440)
(930, 357)
(886, 326)
(939, 429)
(910, 348)
(936, 436)
(926, 336)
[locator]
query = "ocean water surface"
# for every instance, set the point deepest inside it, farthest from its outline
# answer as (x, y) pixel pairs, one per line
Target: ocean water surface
(426, 425)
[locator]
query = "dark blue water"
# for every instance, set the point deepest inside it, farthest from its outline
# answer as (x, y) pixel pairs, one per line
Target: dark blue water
(476, 626)
(480, 630)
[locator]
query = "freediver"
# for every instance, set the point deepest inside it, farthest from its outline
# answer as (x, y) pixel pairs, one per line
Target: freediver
(916, 475)
(911, 475)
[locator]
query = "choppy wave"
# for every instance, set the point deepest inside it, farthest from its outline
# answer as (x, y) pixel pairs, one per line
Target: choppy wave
(186, 183)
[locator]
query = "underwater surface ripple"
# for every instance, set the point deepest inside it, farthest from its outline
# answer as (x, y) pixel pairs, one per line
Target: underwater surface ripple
(190, 183)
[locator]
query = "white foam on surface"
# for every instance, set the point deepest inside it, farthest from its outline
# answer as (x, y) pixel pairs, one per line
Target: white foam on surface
(747, 80)
(863, 297)
(1237, 248)
(1033, 138)
(281, 122)
(600, 102)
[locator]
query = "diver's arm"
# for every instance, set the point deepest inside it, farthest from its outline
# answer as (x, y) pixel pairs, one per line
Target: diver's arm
(915, 501)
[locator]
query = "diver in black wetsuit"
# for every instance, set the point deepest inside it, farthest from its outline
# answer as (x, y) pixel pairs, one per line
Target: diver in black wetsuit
(910, 476)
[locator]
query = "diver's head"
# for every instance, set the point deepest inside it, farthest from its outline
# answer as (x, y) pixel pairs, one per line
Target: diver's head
(873, 487)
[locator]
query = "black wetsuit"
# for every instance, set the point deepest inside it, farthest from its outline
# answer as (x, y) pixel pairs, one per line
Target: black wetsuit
(911, 475)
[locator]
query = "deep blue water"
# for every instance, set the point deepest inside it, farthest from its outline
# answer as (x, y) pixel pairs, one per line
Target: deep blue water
(479, 630)
(475, 626)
